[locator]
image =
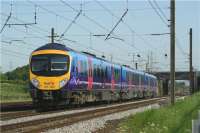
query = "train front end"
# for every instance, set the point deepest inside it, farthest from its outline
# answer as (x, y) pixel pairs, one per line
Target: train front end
(49, 75)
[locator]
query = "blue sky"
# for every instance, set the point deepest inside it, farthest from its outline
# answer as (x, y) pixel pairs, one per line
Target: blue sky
(17, 42)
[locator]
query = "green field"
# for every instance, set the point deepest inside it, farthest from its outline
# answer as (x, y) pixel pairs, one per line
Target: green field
(169, 119)
(14, 92)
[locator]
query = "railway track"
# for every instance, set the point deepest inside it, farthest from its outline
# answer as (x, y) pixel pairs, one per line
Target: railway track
(16, 114)
(16, 106)
(42, 124)
(26, 113)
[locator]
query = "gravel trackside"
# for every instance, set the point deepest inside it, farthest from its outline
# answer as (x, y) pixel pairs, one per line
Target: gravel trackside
(95, 124)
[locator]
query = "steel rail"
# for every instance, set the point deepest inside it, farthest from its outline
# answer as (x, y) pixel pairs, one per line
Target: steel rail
(68, 119)
(16, 106)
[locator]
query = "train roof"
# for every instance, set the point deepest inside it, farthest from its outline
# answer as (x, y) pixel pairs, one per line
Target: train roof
(138, 71)
(150, 75)
(56, 46)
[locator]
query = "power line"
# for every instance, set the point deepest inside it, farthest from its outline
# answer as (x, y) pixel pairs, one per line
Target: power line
(32, 34)
(106, 9)
(180, 48)
(8, 18)
(64, 38)
(75, 10)
(89, 18)
(27, 33)
(112, 45)
(19, 20)
(72, 22)
(161, 11)
(47, 10)
(15, 52)
(5, 23)
(121, 19)
(129, 27)
(25, 23)
(83, 14)
(63, 17)
(162, 19)
(15, 55)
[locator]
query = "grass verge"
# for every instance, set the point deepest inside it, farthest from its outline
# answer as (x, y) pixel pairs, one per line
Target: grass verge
(169, 119)
(12, 92)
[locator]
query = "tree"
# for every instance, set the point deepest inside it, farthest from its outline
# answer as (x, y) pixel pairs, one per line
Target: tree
(20, 73)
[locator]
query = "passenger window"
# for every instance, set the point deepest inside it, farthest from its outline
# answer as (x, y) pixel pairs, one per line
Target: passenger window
(106, 73)
(95, 71)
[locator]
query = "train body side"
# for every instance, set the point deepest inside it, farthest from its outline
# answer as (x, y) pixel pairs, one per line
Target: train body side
(90, 79)
(109, 77)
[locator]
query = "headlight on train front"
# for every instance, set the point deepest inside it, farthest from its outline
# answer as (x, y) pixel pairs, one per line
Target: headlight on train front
(63, 83)
(35, 82)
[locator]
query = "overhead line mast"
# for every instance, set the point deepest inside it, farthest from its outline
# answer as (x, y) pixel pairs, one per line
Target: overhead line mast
(52, 35)
(172, 49)
(191, 67)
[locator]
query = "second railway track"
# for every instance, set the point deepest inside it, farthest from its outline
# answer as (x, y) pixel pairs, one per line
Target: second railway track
(42, 124)
(16, 106)
(16, 114)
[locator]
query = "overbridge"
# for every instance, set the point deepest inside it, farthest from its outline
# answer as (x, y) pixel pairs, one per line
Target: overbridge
(180, 75)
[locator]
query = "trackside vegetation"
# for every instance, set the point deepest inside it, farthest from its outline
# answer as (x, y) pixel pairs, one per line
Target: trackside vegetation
(14, 85)
(169, 119)
(13, 91)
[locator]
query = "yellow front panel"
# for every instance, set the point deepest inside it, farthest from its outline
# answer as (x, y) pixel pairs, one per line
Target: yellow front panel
(50, 52)
(50, 83)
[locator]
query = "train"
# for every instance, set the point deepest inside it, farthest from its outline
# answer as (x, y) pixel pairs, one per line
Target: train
(61, 75)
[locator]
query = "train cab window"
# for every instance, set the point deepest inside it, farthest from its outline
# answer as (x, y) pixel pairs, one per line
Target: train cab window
(59, 63)
(49, 64)
(39, 63)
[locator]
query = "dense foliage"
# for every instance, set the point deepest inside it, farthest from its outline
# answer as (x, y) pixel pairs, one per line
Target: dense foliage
(20, 73)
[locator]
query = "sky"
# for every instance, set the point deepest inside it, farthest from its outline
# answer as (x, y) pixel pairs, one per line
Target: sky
(130, 38)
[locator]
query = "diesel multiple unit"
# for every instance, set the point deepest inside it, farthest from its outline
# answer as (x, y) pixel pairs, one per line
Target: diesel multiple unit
(61, 75)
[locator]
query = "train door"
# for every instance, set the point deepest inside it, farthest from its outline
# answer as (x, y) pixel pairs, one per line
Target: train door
(129, 80)
(112, 78)
(121, 79)
(140, 85)
(90, 74)
(103, 81)
(74, 68)
(149, 85)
